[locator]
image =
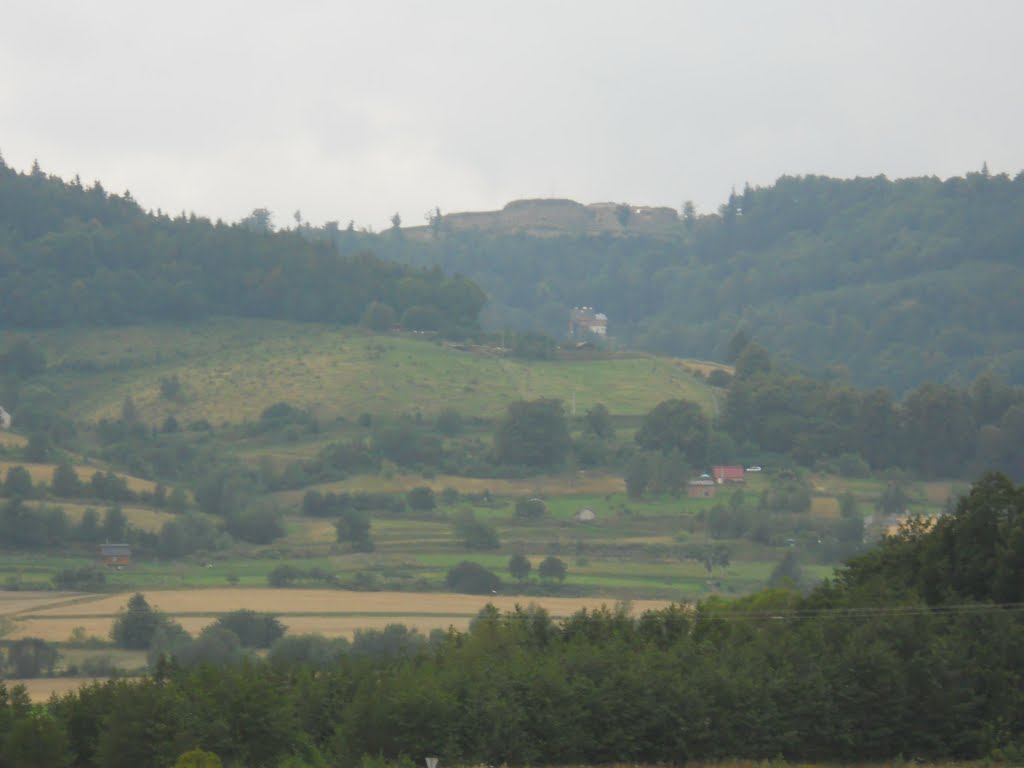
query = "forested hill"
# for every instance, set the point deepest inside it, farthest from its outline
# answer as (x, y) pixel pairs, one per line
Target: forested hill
(901, 281)
(75, 255)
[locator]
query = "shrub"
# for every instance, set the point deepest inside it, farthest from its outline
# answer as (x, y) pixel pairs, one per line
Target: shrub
(254, 630)
(552, 568)
(421, 499)
(473, 533)
(531, 509)
(472, 578)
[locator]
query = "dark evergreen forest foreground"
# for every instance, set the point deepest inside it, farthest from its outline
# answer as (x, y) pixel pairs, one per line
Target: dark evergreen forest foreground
(915, 649)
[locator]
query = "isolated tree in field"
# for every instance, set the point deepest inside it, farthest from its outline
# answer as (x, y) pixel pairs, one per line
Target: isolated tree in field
(787, 573)
(18, 483)
(38, 448)
(353, 528)
(739, 342)
(894, 499)
(552, 568)
(533, 433)
(636, 475)
(598, 422)
(676, 425)
(134, 628)
(519, 566)
(474, 533)
(66, 482)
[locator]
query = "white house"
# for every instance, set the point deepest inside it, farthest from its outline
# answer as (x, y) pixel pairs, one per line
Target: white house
(584, 321)
(5, 419)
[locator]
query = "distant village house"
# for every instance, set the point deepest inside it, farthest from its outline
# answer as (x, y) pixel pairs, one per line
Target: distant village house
(5, 419)
(724, 474)
(701, 488)
(584, 515)
(115, 555)
(584, 321)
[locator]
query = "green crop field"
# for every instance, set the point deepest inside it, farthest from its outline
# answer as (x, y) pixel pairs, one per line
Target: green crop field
(230, 369)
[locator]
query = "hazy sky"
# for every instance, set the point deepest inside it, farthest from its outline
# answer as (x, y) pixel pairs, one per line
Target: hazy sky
(355, 110)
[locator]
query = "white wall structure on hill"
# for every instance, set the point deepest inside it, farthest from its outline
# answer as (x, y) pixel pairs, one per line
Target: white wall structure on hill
(5, 419)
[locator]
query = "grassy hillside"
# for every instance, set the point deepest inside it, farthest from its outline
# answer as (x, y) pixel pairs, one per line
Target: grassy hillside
(231, 369)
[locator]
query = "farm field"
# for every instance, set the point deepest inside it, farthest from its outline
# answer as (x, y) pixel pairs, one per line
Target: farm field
(333, 613)
(230, 369)
(41, 689)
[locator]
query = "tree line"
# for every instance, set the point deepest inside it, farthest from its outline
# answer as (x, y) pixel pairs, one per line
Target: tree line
(75, 255)
(914, 649)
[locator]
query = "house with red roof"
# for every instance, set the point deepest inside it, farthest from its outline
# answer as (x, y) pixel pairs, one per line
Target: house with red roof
(727, 474)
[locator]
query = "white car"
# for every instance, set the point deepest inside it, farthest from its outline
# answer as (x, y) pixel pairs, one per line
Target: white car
(753, 469)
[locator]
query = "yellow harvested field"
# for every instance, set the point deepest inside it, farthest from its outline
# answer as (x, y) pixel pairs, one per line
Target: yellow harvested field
(58, 630)
(41, 688)
(705, 367)
(20, 602)
(346, 626)
(826, 507)
(31, 601)
(306, 601)
(147, 519)
(11, 440)
(937, 492)
(303, 529)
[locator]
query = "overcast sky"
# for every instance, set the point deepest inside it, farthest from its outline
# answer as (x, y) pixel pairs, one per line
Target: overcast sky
(348, 110)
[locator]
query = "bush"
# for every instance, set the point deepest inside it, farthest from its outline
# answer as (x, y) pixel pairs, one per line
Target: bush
(261, 525)
(531, 509)
(449, 422)
(421, 499)
(18, 483)
(519, 566)
(66, 482)
(472, 578)
(254, 630)
(473, 533)
(285, 576)
(379, 317)
(31, 657)
(353, 527)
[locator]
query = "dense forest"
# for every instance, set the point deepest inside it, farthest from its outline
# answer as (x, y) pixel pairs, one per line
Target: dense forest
(914, 649)
(891, 283)
(884, 283)
(71, 255)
